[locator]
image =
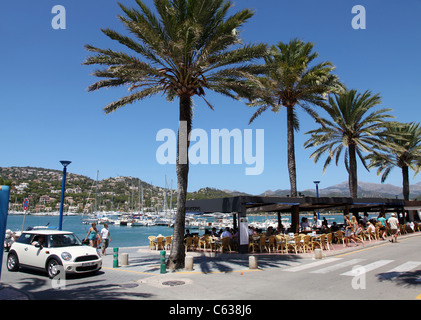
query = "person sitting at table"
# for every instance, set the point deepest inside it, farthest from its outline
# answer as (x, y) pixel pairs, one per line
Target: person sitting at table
(235, 234)
(358, 234)
(304, 223)
(213, 232)
(324, 223)
(187, 235)
(334, 227)
(226, 233)
(269, 231)
(280, 229)
(317, 224)
(371, 228)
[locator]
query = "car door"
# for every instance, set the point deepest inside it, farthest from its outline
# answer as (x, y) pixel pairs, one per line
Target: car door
(22, 246)
(36, 255)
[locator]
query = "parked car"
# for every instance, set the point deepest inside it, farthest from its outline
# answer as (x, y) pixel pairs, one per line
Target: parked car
(50, 249)
(8, 240)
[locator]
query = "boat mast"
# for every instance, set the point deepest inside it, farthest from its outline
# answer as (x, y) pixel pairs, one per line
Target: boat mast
(96, 192)
(164, 207)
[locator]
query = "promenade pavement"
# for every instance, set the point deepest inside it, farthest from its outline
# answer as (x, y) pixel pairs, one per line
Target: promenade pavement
(143, 271)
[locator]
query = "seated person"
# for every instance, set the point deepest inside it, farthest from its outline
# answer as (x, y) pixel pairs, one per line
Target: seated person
(187, 235)
(334, 227)
(213, 232)
(226, 233)
(38, 240)
(370, 227)
(269, 231)
(304, 223)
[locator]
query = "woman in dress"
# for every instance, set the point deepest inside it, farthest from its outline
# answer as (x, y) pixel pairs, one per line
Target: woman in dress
(92, 235)
(348, 231)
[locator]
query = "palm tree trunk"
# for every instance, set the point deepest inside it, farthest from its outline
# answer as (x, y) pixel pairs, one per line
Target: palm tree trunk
(177, 255)
(291, 151)
(405, 182)
(352, 174)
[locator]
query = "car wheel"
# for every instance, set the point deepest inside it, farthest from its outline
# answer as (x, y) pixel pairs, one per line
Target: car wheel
(53, 268)
(12, 262)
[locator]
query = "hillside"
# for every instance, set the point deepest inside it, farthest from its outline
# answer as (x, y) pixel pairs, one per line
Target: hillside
(43, 189)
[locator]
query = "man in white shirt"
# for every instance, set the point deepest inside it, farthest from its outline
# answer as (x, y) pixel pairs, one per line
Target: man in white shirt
(105, 238)
(393, 223)
(317, 224)
(226, 233)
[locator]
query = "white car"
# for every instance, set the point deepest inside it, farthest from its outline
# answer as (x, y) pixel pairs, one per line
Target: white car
(50, 250)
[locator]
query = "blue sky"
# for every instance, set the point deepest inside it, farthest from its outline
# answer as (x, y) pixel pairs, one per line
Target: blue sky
(47, 114)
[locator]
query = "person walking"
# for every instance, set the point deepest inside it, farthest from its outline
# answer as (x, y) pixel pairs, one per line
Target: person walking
(92, 235)
(348, 231)
(105, 237)
(383, 227)
(393, 223)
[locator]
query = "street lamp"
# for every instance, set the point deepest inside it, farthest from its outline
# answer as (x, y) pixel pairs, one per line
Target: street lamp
(317, 195)
(63, 188)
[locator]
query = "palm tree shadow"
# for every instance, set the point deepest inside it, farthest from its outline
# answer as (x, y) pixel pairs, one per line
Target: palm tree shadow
(406, 279)
(231, 262)
(42, 288)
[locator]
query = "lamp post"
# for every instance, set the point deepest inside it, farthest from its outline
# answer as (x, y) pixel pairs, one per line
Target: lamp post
(63, 188)
(317, 195)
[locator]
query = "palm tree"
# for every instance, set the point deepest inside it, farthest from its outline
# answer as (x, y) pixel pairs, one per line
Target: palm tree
(291, 82)
(401, 147)
(353, 126)
(187, 47)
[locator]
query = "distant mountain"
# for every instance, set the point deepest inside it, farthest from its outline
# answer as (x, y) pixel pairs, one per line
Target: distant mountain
(365, 190)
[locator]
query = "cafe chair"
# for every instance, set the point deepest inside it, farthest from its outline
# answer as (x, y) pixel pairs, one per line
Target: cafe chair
(262, 244)
(225, 244)
(160, 245)
(168, 241)
(329, 241)
(152, 242)
(189, 243)
(252, 243)
(294, 243)
(280, 243)
(305, 243)
(317, 242)
(196, 241)
(339, 237)
(272, 243)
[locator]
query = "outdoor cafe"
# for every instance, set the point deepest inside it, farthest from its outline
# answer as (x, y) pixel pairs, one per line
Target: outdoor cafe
(294, 240)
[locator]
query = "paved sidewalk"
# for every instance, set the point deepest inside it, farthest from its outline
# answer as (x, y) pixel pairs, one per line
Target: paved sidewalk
(144, 269)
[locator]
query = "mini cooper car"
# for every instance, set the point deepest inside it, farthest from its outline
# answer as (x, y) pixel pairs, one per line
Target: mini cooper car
(52, 251)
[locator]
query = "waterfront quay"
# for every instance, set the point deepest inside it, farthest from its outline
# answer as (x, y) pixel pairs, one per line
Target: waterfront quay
(391, 271)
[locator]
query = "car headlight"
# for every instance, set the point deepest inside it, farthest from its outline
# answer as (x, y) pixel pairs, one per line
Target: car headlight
(66, 256)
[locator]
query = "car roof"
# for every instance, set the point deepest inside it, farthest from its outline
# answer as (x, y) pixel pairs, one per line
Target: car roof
(47, 232)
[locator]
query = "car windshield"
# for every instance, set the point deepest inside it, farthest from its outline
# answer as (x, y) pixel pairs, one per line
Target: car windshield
(63, 240)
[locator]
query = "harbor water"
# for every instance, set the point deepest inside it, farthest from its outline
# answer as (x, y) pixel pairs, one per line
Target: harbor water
(126, 236)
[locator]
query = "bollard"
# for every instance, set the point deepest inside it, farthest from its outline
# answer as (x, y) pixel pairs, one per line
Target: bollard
(124, 259)
(163, 265)
(189, 263)
(252, 262)
(115, 261)
(318, 253)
